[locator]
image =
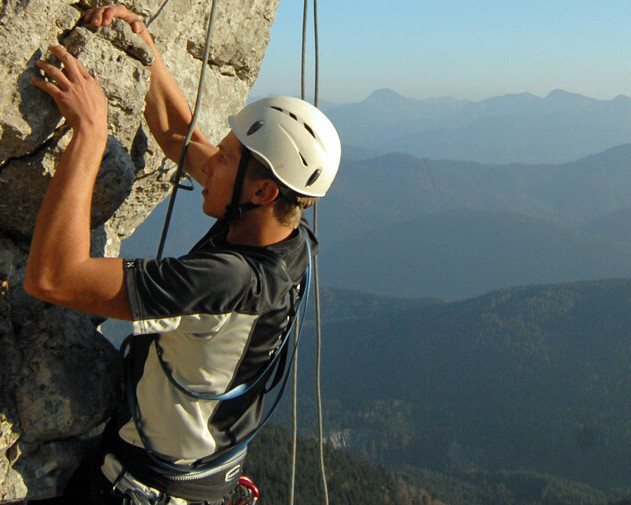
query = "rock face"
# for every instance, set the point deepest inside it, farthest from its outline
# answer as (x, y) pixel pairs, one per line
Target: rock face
(60, 379)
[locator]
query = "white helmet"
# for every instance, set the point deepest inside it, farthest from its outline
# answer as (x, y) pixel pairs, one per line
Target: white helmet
(294, 139)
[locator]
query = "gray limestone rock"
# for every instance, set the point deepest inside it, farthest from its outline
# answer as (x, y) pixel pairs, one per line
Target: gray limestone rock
(60, 379)
(30, 175)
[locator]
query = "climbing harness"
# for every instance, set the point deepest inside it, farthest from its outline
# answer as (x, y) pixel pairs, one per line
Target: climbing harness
(239, 489)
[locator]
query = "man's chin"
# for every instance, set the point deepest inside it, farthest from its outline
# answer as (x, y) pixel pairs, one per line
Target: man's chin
(211, 214)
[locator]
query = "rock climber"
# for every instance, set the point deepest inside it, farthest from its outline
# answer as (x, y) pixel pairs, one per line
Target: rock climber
(207, 321)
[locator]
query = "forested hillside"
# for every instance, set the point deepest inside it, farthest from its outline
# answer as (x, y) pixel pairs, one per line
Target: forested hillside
(351, 481)
(534, 378)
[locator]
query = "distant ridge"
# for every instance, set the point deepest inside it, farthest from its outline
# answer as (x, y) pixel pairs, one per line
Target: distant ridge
(462, 254)
(516, 128)
(399, 186)
(405, 226)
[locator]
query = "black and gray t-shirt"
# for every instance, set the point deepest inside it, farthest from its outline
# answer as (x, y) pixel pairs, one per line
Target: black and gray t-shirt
(219, 311)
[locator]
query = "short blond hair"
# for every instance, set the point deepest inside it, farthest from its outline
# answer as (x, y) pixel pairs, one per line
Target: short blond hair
(289, 205)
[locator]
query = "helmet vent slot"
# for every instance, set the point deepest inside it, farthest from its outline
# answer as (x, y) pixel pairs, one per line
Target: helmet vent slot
(304, 162)
(255, 127)
(295, 118)
(314, 176)
(308, 128)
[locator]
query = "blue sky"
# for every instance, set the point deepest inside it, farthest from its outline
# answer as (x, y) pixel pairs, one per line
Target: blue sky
(470, 49)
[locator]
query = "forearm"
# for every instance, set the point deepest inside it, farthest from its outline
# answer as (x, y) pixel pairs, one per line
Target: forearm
(169, 116)
(60, 269)
(61, 239)
(166, 110)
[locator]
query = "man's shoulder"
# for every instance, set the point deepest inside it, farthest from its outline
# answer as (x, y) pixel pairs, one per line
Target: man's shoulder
(216, 270)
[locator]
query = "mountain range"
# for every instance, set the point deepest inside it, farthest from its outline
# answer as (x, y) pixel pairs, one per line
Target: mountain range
(521, 128)
(406, 226)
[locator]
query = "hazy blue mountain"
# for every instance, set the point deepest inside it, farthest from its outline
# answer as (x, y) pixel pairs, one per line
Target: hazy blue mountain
(513, 128)
(385, 114)
(397, 187)
(614, 226)
(461, 254)
(532, 378)
(359, 153)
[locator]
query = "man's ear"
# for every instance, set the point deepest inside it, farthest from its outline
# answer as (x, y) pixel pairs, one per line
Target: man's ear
(265, 192)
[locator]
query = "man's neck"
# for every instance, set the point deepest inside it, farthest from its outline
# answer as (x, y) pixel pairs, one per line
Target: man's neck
(257, 229)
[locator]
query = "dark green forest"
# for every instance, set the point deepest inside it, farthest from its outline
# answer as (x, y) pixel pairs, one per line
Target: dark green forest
(352, 481)
(527, 379)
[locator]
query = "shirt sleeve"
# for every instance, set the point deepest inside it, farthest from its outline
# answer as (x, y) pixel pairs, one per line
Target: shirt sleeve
(167, 294)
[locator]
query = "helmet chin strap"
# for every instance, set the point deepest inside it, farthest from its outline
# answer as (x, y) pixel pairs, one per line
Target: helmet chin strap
(234, 210)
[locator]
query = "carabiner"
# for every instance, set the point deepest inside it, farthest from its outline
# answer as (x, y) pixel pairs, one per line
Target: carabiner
(252, 492)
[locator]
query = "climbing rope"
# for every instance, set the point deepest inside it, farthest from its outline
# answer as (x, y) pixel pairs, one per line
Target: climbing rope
(294, 427)
(315, 279)
(180, 166)
(316, 287)
(316, 282)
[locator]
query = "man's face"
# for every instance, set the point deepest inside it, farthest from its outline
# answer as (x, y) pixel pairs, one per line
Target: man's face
(221, 171)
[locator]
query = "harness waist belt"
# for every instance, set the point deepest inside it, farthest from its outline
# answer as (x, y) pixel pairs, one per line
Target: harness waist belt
(126, 483)
(182, 489)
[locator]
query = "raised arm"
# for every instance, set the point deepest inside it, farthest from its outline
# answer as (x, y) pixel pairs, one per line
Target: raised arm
(59, 268)
(167, 112)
